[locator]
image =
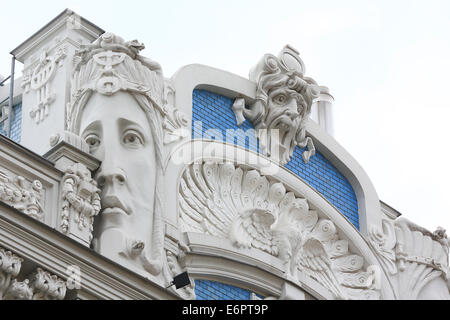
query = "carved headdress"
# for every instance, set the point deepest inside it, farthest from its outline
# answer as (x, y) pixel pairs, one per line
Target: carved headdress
(111, 64)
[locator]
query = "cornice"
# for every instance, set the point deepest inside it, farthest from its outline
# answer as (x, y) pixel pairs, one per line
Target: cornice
(50, 28)
(53, 251)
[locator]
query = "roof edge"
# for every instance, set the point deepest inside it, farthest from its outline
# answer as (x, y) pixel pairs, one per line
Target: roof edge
(54, 22)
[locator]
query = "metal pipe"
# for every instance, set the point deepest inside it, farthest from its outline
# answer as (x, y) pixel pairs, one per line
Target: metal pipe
(4, 80)
(4, 100)
(11, 95)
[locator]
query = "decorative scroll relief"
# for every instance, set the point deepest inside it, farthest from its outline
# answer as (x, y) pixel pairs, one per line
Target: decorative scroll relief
(22, 195)
(253, 211)
(282, 107)
(413, 258)
(39, 80)
(80, 200)
(40, 285)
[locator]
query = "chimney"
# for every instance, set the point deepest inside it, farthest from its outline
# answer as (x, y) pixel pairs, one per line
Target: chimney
(321, 110)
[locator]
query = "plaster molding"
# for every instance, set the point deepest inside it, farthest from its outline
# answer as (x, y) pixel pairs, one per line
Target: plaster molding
(100, 278)
(290, 292)
(67, 18)
(22, 162)
(40, 285)
(257, 212)
(207, 261)
(39, 80)
(10, 265)
(19, 291)
(23, 195)
(416, 260)
(213, 259)
(12, 152)
(80, 203)
(69, 151)
(199, 151)
(46, 286)
(59, 43)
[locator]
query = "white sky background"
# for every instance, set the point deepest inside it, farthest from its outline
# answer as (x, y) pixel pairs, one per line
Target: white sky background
(387, 63)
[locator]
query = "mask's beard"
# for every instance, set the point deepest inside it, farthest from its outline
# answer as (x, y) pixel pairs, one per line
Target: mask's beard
(279, 144)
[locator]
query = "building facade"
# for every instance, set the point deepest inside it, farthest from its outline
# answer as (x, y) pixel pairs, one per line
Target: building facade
(114, 179)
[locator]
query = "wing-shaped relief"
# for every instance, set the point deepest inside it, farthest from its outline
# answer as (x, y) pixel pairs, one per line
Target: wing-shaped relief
(416, 259)
(254, 211)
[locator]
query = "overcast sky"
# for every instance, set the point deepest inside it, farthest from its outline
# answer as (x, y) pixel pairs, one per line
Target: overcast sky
(387, 63)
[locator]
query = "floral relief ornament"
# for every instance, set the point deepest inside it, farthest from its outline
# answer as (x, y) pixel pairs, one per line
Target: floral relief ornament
(22, 195)
(81, 198)
(40, 285)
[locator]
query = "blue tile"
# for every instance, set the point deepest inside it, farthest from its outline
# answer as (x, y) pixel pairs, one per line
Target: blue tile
(211, 290)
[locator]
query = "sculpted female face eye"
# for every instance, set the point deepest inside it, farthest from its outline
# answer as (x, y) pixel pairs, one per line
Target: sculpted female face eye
(133, 139)
(93, 141)
(92, 135)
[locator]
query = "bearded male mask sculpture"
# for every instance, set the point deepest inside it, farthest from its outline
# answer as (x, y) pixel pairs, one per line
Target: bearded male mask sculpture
(118, 107)
(282, 106)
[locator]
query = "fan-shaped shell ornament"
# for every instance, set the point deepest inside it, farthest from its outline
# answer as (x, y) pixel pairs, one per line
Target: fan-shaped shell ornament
(259, 213)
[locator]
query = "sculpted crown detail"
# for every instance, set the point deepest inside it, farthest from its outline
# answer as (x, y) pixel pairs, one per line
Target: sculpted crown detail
(282, 107)
(111, 64)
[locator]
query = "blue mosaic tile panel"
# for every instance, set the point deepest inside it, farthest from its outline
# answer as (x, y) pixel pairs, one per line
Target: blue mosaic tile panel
(212, 116)
(212, 290)
(320, 174)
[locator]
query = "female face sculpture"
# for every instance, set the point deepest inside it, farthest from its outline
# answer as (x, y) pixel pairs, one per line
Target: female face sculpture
(118, 107)
(118, 133)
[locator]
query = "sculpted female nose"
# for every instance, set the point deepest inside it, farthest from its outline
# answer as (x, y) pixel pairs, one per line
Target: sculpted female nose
(111, 176)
